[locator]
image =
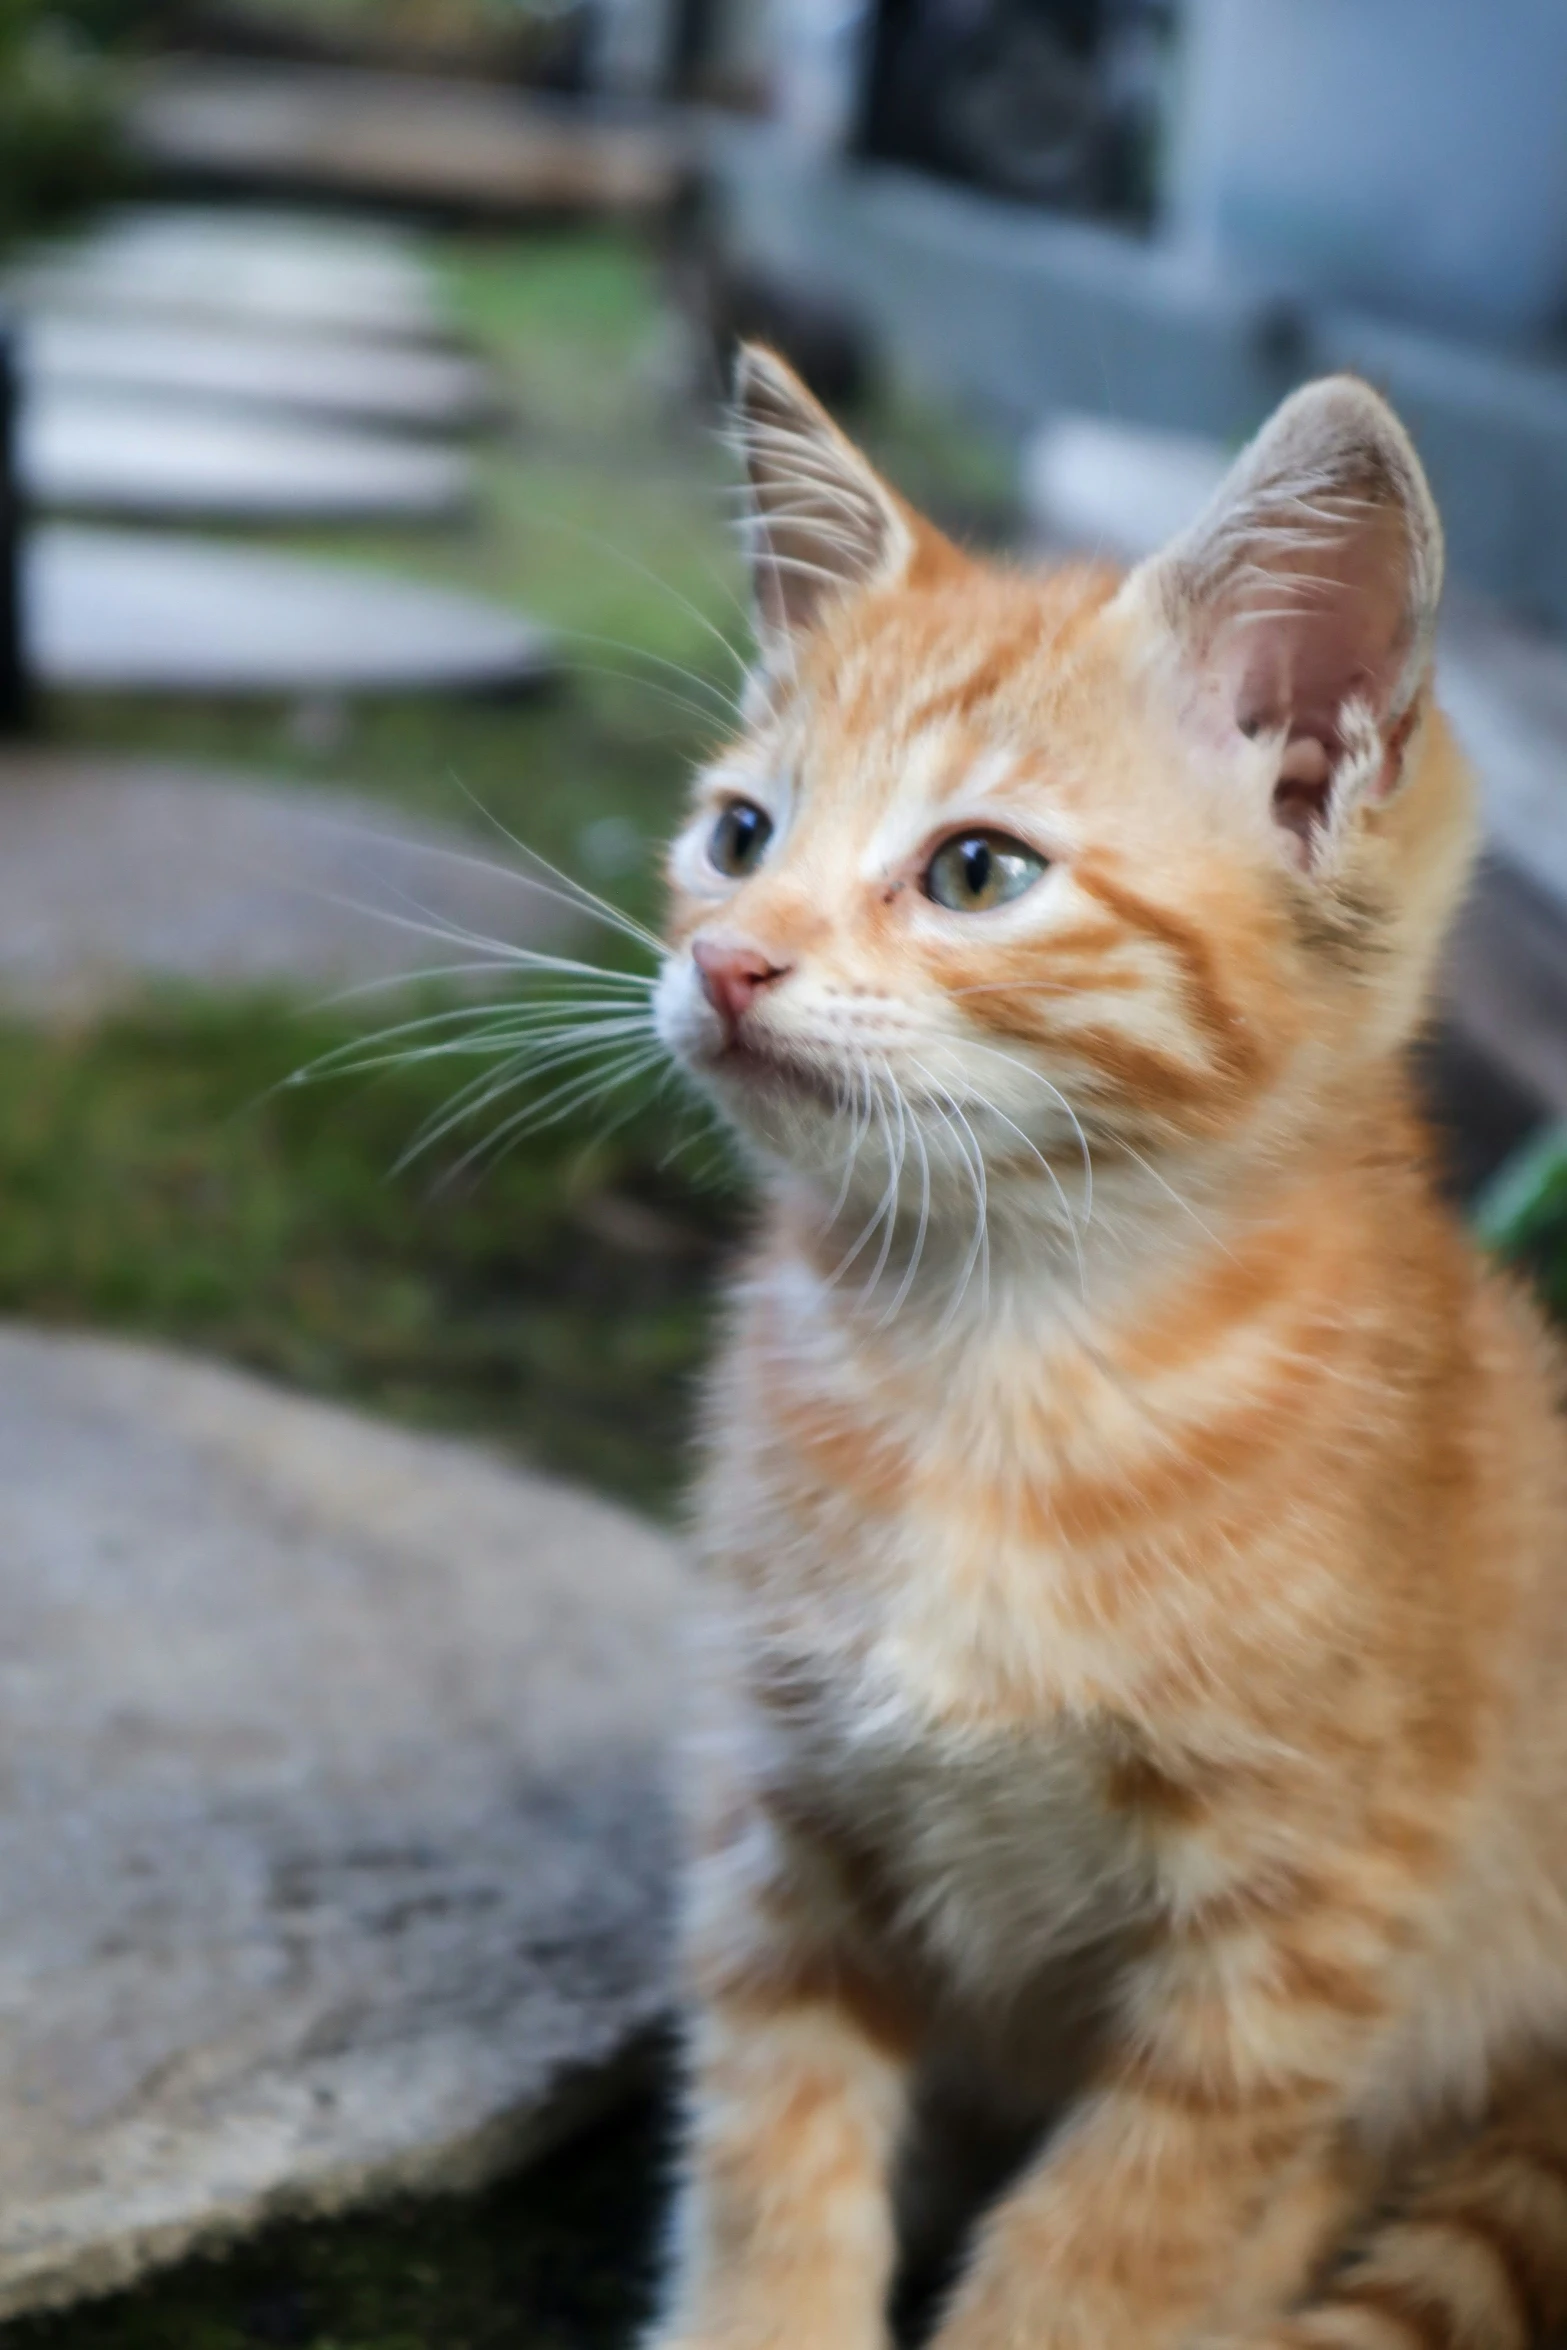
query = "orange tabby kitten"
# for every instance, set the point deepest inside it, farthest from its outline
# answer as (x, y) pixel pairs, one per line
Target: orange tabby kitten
(1135, 1520)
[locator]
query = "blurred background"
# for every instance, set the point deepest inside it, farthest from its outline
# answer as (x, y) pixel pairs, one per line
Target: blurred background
(364, 516)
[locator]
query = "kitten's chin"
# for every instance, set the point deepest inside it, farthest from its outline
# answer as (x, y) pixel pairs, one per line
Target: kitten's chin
(758, 1071)
(793, 1111)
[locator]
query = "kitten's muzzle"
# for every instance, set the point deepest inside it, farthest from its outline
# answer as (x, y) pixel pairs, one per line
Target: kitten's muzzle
(733, 976)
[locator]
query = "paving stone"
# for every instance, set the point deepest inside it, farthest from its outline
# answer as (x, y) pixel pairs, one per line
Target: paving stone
(395, 137)
(333, 375)
(332, 1841)
(161, 458)
(119, 611)
(261, 266)
(114, 874)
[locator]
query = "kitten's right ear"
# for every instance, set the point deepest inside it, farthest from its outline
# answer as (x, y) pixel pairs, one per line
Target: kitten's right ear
(1303, 602)
(821, 521)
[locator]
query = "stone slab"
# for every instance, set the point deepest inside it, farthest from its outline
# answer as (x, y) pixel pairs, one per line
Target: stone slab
(332, 1844)
(133, 612)
(397, 138)
(115, 874)
(162, 458)
(259, 266)
(409, 387)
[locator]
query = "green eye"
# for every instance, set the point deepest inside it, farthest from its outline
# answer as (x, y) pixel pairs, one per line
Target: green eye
(739, 839)
(977, 870)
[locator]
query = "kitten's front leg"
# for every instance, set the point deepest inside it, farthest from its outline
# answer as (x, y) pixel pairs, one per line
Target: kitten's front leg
(1204, 2177)
(783, 2229)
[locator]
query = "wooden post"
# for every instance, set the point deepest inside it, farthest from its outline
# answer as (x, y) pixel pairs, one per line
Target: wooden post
(15, 686)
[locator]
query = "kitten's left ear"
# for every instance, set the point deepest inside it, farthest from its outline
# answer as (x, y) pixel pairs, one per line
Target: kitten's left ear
(1303, 602)
(821, 522)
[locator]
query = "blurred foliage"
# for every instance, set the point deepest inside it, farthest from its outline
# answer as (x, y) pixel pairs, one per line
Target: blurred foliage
(58, 138)
(558, 2260)
(422, 20)
(160, 1176)
(1522, 1213)
(432, 27)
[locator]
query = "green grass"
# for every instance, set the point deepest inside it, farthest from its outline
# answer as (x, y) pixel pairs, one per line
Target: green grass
(158, 1178)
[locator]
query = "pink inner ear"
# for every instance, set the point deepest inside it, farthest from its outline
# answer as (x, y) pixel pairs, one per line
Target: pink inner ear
(1308, 638)
(1302, 601)
(1328, 627)
(1304, 789)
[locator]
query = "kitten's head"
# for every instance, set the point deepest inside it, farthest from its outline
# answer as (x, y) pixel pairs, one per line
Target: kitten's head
(998, 854)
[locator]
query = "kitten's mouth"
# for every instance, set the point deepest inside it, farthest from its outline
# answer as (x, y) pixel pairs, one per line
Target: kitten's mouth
(756, 1061)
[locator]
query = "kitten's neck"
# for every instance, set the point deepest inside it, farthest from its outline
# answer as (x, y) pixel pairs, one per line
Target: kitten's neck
(1081, 1259)
(1064, 1262)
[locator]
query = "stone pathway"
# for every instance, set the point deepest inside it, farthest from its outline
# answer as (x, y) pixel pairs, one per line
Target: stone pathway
(332, 1838)
(119, 611)
(117, 874)
(164, 458)
(396, 138)
(299, 272)
(405, 386)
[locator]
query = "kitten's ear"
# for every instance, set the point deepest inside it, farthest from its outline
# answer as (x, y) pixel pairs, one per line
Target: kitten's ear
(1304, 600)
(821, 521)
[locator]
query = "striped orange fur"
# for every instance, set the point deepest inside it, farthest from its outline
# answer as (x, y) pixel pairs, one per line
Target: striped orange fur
(1135, 1516)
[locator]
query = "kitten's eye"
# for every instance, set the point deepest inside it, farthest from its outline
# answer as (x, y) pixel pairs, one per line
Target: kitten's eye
(977, 870)
(739, 839)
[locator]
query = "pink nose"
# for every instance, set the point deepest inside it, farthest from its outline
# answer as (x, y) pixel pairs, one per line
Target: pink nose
(733, 977)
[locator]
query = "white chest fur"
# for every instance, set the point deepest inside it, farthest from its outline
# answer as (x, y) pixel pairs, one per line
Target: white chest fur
(996, 1847)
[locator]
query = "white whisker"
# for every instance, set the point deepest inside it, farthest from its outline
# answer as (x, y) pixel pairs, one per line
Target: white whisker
(588, 899)
(633, 982)
(861, 1128)
(474, 1098)
(537, 1037)
(979, 1246)
(1184, 1204)
(703, 712)
(888, 1196)
(1077, 1127)
(894, 1187)
(619, 555)
(559, 1103)
(918, 1250)
(983, 1102)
